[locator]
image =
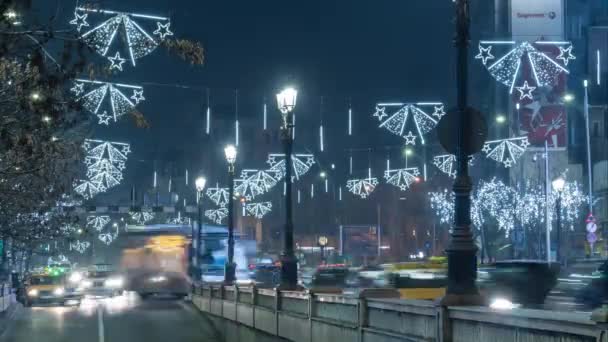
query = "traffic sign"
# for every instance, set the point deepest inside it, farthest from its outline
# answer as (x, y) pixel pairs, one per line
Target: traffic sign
(475, 131)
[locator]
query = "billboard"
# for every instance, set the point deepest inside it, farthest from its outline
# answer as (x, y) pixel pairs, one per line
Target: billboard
(542, 116)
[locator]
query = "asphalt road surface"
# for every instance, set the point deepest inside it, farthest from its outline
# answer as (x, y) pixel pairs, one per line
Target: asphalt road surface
(120, 319)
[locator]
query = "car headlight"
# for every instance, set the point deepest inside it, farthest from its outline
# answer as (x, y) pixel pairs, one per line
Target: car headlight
(86, 284)
(58, 291)
(32, 293)
(503, 304)
(75, 277)
(158, 279)
(114, 282)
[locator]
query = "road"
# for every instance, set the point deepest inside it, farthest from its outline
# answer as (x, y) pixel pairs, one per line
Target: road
(120, 319)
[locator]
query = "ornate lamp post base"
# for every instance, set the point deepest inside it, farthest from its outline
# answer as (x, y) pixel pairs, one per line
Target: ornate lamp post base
(229, 273)
(289, 273)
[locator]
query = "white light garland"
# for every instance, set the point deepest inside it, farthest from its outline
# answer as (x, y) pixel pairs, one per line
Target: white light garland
(80, 246)
(259, 210)
(447, 164)
(506, 151)
(217, 215)
(142, 217)
(98, 222)
(300, 163)
(103, 37)
(399, 124)
(402, 178)
(105, 162)
(107, 100)
(218, 195)
(362, 187)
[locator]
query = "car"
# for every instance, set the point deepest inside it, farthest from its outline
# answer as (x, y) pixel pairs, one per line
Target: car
(330, 276)
(265, 274)
(51, 288)
(102, 281)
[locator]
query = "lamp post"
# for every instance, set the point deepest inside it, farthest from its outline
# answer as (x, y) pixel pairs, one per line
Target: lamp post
(558, 186)
(199, 183)
(286, 101)
(230, 268)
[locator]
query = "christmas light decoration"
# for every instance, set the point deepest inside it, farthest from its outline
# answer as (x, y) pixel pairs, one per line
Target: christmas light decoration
(142, 217)
(525, 91)
(362, 187)
(101, 97)
(80, 246)
(58, 260)
(105, 162)
(98, 222)
(103, 37)
(179, 220)
(253, 183)
(399, 124)
(402, 178)
(259, 210)
(88, 189)
(506, 151)
(301, 164)
(447, 164)
(109, 236)
(217, 215)
(523, 56)
(218, 195)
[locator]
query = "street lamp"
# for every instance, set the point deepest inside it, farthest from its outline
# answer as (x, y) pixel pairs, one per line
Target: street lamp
(230, 267)
(199, 184)
(286, 102)
(558, 186)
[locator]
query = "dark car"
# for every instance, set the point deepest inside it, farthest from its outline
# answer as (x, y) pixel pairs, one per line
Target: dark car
(331, 276)
(265, 273)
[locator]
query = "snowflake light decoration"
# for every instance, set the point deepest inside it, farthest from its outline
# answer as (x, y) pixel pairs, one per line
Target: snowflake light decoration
(399, 124)
(258, 210)
(80, 246)
(106, 37)
(523, 56)
(362, 187)
(301, 164)
(447, 164)
(217, 215)
(107, 100)
(218, 195)
(142, 217)
(402, 178)
(506, 151)
(109, 236)
(98, 222)
(105, 162)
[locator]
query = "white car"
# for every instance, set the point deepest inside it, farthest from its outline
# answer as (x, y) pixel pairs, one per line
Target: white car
(102, 282)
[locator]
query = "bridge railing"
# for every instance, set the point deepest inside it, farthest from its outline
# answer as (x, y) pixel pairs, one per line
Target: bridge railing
(318, 317)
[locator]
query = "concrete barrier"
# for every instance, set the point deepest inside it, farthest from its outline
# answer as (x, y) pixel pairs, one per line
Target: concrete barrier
(318, 317)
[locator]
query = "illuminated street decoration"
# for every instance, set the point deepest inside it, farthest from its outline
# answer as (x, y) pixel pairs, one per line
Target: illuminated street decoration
(179, 219)
(142, 217)
(362, 187)
(80, 246)
(109, 236)
(107, 37)
(98, 222)
(425, 117)
(105, 162)
(58, 260)
(523, 56)
(402, 178)
(301, 164)
(259, 210)
(107, 100)
(506, 151)
(253, 183)
(88, 189)
(217, 215)
(218, 195)
(447, 164)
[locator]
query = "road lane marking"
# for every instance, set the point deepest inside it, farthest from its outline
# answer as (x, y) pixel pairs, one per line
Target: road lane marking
(100, 322)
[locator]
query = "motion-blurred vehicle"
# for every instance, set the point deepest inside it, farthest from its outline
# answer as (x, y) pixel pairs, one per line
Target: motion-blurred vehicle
(588, 288)
(158, 267)
(419, 280)
(265, 273)
(102, 281)
(51, 286)
(330, 276)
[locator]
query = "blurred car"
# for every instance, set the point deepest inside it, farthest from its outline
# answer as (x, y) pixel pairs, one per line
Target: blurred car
(588, 288)
(102, 281)
(50, 287)
(265, 273)
(330, 276)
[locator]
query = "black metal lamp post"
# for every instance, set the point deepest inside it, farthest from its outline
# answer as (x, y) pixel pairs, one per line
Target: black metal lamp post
(558, 186)
(462, 251)
(230, 268)
(199, 183)
(286, 101)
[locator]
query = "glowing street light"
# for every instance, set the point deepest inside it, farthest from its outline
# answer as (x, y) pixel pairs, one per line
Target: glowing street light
(568, 98)
(501, 119)
(286, 100)
(230, 267)
(558, 186)
(200, 183)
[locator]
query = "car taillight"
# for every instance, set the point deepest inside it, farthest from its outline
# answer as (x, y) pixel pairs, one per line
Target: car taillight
(251, 267)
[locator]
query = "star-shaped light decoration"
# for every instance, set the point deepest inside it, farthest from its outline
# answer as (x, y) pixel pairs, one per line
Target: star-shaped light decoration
(116, 61)
(525, 91)
(258, 210)
(104, 118)
(142, 217)
(566, 54)
(98, 222)
(300, 163)
(79, 21)
(447, 164)
(138, 95)
(402, 178)
(506, 151)
(410, 138)
(362, 187)
(80, 246)
(163, 30)
(439, 112)
(77, 89)
(217, 215)
(218, 195)
(399, 122)
(484, 54)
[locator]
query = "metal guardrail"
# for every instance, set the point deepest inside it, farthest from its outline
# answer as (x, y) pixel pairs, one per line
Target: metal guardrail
(306, 316)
